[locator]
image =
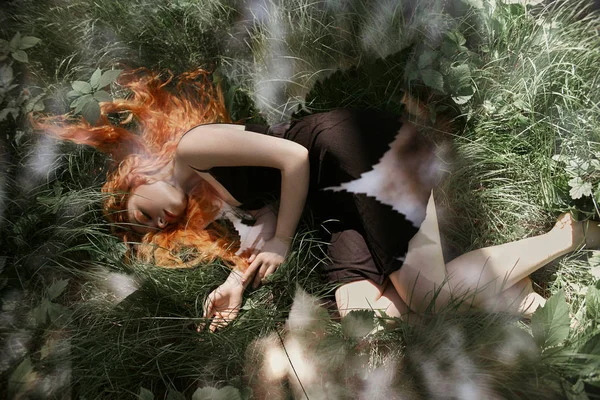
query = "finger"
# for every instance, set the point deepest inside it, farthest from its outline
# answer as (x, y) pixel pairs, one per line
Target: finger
(208, 307)
(252, 257)
(269, 271)
(251, 270)
(215, 324)
(260, 275)
(207, 313)
(222, 319)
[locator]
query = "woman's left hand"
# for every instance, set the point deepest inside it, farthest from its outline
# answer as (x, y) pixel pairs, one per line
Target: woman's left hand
(266, 262)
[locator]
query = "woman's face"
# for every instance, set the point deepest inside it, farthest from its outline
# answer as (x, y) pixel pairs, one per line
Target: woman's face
(154, 206)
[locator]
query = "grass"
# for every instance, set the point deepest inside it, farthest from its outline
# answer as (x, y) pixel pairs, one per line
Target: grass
(536, 96)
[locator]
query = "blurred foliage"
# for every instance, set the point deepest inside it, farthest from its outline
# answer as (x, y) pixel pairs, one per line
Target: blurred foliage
(519, 84)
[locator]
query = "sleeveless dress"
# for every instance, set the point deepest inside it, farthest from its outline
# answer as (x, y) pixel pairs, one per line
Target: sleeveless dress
(368, 239)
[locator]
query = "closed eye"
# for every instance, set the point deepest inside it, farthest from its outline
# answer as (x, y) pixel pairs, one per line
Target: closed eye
(143, 217)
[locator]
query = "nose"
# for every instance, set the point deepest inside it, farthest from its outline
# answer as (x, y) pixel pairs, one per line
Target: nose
(161, 223)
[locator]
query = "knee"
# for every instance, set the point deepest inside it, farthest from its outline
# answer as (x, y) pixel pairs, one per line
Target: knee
(418, 292)
(359, 295)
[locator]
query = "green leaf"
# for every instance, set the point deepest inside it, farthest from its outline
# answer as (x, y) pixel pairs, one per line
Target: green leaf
(91, 111)
(6, 75)
(358, 323)
(210, 393)
(57, 288)
(466, 91)
(334, 351)
(108, 77)
(78, 103)
(459, 77)
(82, 86)
(4, 47)
(40, 313)
(592, 303)
(102, 96)
(20, 56)
(9, 110)
(579, 188)
(48, 311)
(205, 393)
(449, 49)
(56, 311)
(28, 42)
(460, 100)
(145, 394)
(35, 104)
(445, 65)
(21, 377)
(456, 37)
(175, 395)
(433, 79)
(592, 346)
(15, 41)
(427, 58)
(589, 356)
(73, 94)
(550, 323)
(95, 79)
(411, 72)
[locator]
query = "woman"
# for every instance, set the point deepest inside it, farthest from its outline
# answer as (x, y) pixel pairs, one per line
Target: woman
(170, 187)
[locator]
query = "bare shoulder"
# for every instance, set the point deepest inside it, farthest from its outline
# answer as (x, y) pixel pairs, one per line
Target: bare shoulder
(203, 135)
(214, 127)
(218, 145)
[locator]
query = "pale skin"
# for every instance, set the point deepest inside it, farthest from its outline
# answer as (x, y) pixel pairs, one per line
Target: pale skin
(501, 271)
(156, 205)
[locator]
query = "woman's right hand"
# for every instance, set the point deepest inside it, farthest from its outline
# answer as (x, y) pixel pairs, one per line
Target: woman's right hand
(272, 254)
(223, 304)
(256, 236)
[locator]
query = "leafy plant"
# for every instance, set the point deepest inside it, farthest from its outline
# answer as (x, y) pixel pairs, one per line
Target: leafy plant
(17, 46)
(48, 310)
(86, 96)
(550, 323)
(444, 69)
(583, 173)
(11, 103)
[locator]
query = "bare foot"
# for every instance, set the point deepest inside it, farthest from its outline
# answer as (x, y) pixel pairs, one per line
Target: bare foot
(577, 233)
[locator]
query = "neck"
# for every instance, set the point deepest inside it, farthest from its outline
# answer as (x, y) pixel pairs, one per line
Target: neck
(183, 176)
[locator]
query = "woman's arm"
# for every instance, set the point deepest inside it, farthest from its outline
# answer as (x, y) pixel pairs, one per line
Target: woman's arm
(253, 237)
(227, 145)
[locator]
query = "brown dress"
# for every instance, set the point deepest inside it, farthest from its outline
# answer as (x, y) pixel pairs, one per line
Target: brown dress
(368, 239)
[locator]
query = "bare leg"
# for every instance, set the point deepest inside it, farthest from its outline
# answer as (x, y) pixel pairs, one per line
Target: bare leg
(422, 280)
(493, 269)
(518, 299)
(367, 295)
(481, 275)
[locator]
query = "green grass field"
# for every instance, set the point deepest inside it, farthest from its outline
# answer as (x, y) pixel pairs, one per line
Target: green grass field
(520, 87)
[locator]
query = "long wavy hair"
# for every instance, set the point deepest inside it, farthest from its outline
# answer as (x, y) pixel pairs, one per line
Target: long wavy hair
(160, 109)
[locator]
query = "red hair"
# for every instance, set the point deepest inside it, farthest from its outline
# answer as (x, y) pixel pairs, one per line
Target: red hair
(160, 115)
